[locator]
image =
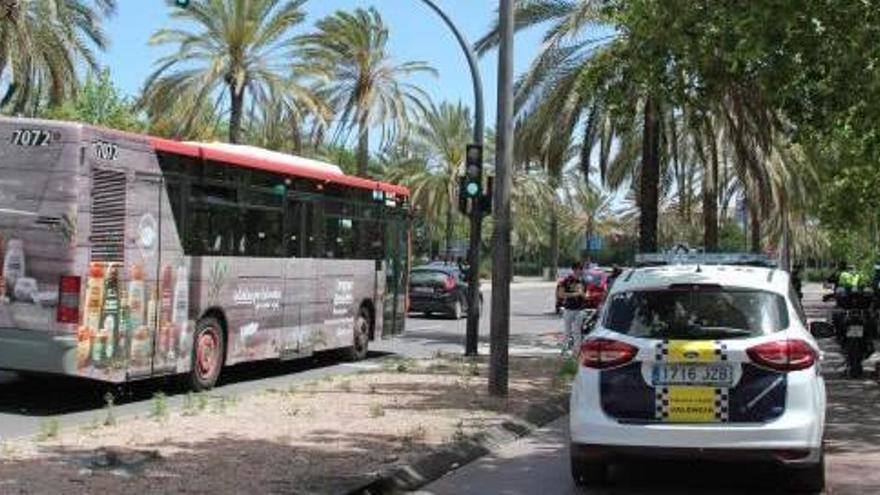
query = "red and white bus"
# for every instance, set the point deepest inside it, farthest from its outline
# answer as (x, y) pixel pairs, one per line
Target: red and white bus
(125, 257)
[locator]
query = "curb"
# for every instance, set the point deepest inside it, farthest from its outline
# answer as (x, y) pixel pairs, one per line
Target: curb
(446, 459)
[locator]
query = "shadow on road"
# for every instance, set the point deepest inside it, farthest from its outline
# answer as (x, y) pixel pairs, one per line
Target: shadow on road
(52, 395)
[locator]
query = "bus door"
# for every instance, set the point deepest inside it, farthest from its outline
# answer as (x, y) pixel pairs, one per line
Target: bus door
(143, 291)
(300, 280)
(394, 302)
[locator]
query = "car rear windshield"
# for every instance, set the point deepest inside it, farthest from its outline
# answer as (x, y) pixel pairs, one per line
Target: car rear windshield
(593, 278)
(425, 277)
(696, 313)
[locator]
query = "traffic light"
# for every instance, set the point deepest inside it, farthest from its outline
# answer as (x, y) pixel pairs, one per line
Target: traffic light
(470, 188)
(182, 3)
(473, 186)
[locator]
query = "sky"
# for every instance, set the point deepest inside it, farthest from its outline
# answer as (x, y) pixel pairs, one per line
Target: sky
(416, 33)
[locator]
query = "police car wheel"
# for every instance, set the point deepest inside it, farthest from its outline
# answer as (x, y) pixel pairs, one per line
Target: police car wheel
(808, 479)
(588, 473)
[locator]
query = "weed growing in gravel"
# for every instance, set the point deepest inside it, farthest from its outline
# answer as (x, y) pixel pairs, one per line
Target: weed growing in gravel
(412, 436)
(91, 427)
(399, 365)
(459, 434)
(472, 368)
(8, 449)
(49, 429)
(195, 404)
(189, 405)
(567, 370)
(109, 410)
(376, 410)
(224, 403)
(159, 407)
(372, 388)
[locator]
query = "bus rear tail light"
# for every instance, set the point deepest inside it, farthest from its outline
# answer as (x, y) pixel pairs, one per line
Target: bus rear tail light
(606, 353)
(68, 299)
(449, 283)
(783, 355)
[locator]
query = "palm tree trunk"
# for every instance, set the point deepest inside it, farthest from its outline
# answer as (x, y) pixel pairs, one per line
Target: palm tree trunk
(587, 146)
(755, 227)
(236, 111)
(450, 220)
(649, 187)
(710, 198)
(554, 242)
(363, 150)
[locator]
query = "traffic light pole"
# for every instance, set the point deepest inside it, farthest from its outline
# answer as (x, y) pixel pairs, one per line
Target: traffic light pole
(476, 211)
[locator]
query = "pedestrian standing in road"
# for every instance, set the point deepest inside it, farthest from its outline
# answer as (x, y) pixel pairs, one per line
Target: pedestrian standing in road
(574, 304)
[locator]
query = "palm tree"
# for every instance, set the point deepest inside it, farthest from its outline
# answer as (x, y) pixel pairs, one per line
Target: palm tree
(596, 77)
(364, 85)
(42, 42)
(237, 49)
(444, 134)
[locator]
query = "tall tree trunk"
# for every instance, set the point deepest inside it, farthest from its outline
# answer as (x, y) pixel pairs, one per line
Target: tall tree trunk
(236, 111)
(554, 242)
(587, 146)
(785, 252)
(553, 259)
(710, 197)
(363, 150)
(450, 223)
(649, 185)
(755, 222)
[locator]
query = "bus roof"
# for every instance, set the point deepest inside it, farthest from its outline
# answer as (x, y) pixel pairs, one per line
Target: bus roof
(237, 155)
(270, 161)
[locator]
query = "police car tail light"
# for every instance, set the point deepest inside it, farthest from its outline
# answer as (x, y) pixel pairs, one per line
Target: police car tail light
(783, 355)
(606, 353)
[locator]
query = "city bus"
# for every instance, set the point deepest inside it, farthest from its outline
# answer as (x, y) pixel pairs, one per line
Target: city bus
(126, 257)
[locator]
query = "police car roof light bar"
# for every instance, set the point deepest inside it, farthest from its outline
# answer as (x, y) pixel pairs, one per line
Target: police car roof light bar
(679, 258)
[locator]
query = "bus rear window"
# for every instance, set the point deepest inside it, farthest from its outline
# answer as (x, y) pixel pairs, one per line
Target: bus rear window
(696, 313)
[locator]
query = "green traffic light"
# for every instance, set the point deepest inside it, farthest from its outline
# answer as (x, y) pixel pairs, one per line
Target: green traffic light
(182, 3)
(472, 189)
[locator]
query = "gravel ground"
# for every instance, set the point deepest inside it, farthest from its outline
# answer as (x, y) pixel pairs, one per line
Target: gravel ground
(317, 437)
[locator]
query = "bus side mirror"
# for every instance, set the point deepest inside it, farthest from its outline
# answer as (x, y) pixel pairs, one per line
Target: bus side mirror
(821, 329)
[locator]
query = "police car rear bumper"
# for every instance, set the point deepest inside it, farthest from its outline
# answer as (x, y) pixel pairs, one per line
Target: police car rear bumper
(616, 453)
(799, 429)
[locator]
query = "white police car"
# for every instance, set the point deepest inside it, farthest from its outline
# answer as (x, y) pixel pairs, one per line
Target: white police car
(700, 361)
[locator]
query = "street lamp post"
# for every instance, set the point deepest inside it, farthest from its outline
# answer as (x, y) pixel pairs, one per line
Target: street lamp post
(476, 213)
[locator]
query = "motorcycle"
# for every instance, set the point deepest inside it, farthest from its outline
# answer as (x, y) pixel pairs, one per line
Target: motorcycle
(855, 324)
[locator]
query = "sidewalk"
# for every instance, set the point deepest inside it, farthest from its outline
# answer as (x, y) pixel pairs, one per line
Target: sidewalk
(852, 431)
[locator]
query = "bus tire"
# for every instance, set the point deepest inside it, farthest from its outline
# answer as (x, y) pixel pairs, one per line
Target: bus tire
(208, 350)
(361, 336)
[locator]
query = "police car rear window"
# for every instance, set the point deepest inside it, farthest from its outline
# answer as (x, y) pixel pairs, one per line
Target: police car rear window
(696, 313)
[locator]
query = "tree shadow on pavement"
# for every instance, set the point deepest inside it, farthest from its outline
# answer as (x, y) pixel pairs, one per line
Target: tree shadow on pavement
(320, 463)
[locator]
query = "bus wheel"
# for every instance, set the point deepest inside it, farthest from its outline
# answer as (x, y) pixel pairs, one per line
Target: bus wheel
(207, 355)
(358, 351)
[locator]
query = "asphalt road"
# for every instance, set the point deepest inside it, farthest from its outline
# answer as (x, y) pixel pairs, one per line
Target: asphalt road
(26, 403)
(539, 464)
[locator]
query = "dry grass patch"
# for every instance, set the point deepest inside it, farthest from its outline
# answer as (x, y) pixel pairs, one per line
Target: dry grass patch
(315, 437)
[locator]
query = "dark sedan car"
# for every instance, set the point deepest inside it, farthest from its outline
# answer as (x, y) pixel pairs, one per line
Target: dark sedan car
(439, 288)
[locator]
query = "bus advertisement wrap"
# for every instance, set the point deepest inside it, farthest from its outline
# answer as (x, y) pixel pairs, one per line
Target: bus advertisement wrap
(125, 257)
